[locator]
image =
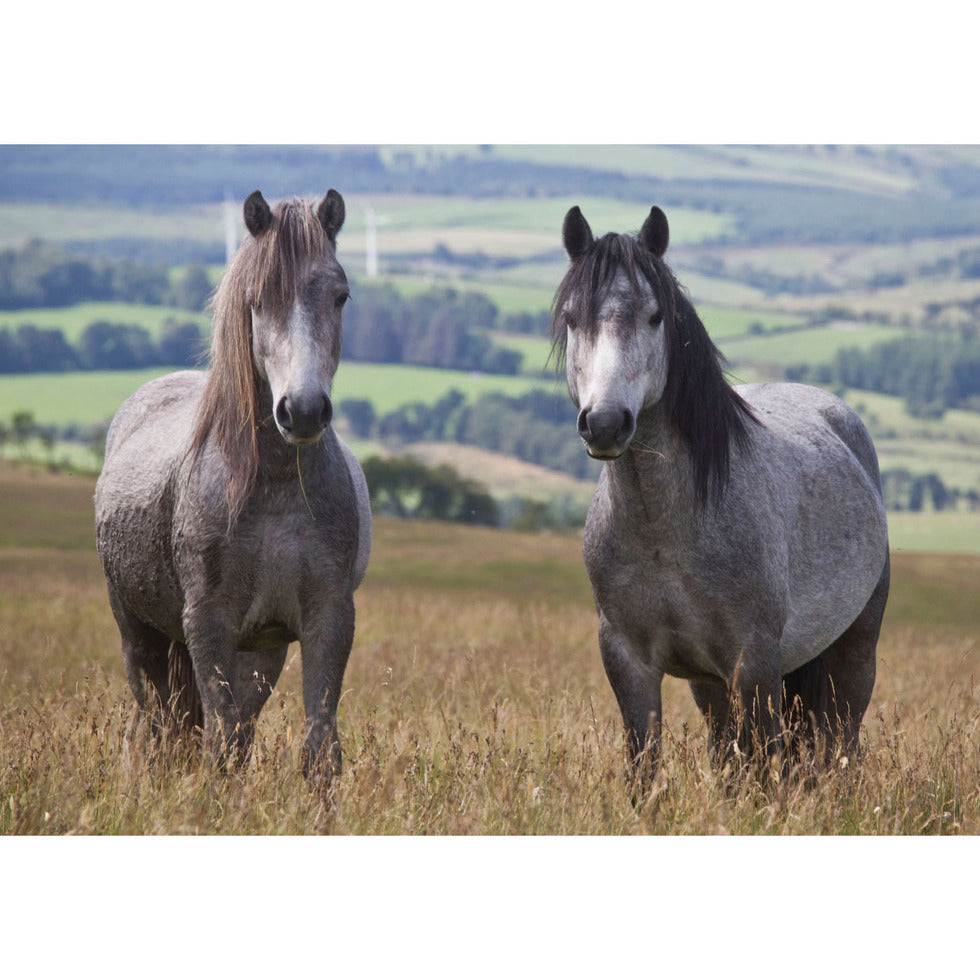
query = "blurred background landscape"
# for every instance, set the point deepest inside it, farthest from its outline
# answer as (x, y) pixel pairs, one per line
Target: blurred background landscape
(853, 267)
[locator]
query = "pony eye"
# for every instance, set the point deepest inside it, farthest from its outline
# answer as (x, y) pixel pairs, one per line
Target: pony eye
(656, 319)
(341, 299)
(569, 321)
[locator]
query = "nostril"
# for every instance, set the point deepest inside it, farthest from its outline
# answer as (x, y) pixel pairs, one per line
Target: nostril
(583, 423)
(326, 415)
(626, 429)
(283, 417)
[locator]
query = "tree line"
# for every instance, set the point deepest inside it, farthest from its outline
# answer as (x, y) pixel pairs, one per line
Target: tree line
(932, 374)
(537, 427)
(441, 328)
(41, 275)
(102, 346)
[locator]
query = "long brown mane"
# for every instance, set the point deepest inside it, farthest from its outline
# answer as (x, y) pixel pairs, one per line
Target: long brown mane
(264, 272)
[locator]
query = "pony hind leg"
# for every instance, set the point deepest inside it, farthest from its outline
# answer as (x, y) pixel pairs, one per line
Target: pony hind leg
(144, 652)
(716, 704)
(148, 662)
(826, 698)
(851, 666)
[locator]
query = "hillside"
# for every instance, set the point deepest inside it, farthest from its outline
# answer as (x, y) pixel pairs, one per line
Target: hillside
(793, 255)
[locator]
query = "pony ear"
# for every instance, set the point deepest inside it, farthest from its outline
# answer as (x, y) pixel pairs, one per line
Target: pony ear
(331, 213)
(576, 235)
(258, 217)
(655, 234)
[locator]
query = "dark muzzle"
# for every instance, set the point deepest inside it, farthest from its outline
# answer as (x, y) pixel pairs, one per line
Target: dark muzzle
(606, 431)
(302, 418)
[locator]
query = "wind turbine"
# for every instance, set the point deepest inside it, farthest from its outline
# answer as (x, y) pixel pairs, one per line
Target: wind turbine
(371, 222)
(231, 229)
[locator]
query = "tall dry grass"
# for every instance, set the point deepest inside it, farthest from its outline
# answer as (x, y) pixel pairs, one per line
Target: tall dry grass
(474, 703)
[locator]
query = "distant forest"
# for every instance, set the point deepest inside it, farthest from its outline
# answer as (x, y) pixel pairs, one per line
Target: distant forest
(932, 374)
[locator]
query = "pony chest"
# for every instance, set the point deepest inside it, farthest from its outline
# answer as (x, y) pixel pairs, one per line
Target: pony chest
(277, 575)
(282, 561)
(665, 607)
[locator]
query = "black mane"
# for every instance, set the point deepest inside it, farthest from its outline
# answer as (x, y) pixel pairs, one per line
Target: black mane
(704, 408)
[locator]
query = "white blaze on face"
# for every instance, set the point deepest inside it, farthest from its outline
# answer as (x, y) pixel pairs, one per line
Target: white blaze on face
(305, 366)
(622, 362)
(297, 358)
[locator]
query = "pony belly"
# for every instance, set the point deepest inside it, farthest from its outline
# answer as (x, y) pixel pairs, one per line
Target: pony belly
(267, 637)
(820, 615)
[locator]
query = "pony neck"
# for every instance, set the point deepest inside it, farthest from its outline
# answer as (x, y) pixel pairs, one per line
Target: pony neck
(654, 476)
(277, 458)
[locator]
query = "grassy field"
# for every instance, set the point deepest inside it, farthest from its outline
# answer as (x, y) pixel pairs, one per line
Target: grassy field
(83, 397)
(734, 163)
(20, 222)
(816, 345)
(89, 397)
(474, 703)
(72, 320)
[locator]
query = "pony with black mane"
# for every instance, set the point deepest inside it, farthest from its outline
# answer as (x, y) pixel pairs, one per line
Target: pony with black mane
(737, 535)
(231, 520)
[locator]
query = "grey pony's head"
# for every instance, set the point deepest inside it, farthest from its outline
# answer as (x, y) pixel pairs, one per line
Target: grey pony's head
(296, 294)
(277, 335)
(610, 311)
(629, 338)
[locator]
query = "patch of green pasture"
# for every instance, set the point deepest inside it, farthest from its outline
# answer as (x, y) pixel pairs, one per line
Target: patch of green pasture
(723, 322)
(20, 222)
(957, 464)
(706, 290)
(82, 397)
(786, 164)
(812, 346)
(535, 350)
(67, 457)
(92, 397)
(887, 412)
(389, 386)
(72, 320)
(935, 532)
(539, 214)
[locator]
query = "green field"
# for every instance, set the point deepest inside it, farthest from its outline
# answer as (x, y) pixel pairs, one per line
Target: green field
(507, 296)
(72, 320)
(388, 386)
(531, 220)
(935, 532)
(763, 164)
(88, 397)
(816, 345)
(21, 222)
(83, 397)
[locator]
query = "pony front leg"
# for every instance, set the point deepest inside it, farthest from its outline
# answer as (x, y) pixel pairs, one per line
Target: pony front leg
(325, 652)
(211, 643)
(756, 703)
(636, 683)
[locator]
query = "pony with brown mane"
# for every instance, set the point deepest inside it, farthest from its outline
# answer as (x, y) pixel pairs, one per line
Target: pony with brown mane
(231, 520)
